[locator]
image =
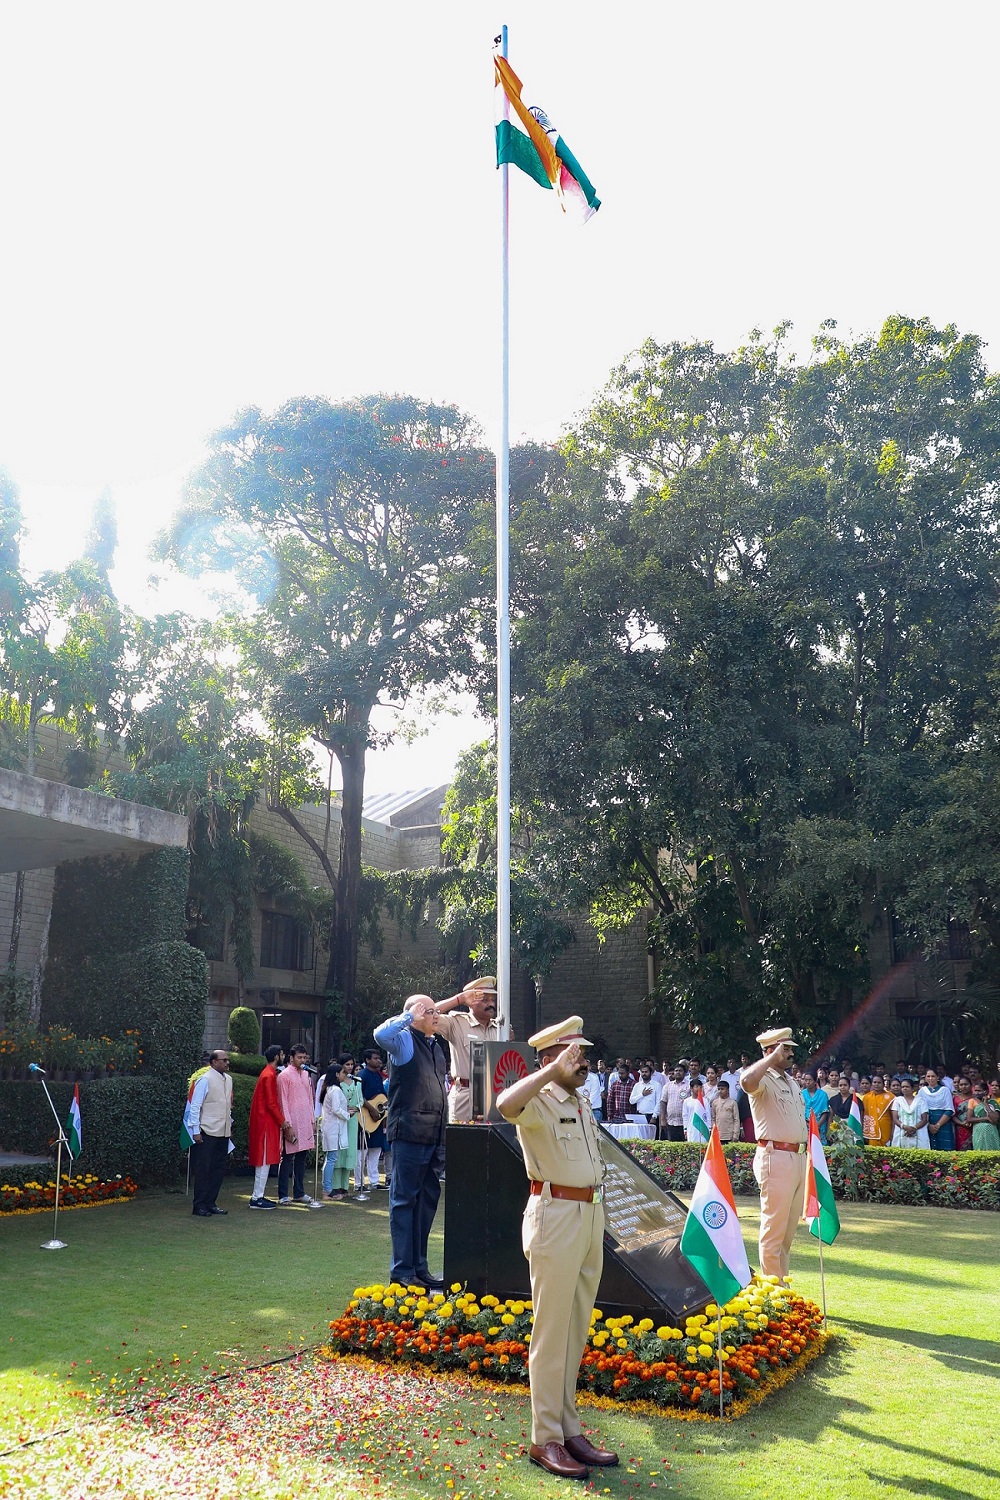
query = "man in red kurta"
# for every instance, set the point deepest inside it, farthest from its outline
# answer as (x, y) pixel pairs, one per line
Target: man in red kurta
(267, 1126)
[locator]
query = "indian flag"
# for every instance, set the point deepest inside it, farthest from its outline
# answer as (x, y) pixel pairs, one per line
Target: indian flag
(700, 1122)
(854, 1122)
(538, 149)
(711, 1239)
(820, 1207)
(186, 1139)
(73, 1130)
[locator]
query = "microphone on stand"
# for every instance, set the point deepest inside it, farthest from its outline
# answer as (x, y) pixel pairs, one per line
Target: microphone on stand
(34, 1068)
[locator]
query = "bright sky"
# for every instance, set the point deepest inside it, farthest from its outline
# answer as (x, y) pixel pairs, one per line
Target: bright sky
(208, 205)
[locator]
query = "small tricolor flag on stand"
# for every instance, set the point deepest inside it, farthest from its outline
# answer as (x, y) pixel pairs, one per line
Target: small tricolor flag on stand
(538, 149)
(820, 1210)
(711, 1238)
(854, 1122)
(74, 1133)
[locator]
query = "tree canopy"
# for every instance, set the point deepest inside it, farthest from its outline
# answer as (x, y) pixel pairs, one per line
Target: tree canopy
(755, 626)
(354, 526)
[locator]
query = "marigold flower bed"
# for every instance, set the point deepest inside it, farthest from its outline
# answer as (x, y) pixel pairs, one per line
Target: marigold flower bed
(769, 1335)
(85, 1191)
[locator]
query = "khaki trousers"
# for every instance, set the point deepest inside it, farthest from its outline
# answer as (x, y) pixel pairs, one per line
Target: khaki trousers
(459, 1103)
(564, 1244)
(781, 1177)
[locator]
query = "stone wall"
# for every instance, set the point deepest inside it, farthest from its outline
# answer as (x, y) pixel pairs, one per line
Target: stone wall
(607, 984)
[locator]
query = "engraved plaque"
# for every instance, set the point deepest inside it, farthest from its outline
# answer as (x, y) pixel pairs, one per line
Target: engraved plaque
(644, 1270)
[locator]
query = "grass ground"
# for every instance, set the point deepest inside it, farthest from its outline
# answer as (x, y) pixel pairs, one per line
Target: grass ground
(148, 1305)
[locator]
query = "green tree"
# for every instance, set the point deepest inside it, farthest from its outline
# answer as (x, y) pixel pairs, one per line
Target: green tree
(198, 748)
(64, 645)
(754, 610)
(353, 526)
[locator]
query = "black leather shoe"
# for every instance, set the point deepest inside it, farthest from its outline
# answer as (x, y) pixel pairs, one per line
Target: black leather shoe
(430, 1281)
(555, 1458)
(218, 1210)
(583, 1449)
(202, 1213)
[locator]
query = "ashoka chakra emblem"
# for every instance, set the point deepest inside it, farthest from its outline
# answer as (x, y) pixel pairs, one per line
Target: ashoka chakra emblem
(715, 1215)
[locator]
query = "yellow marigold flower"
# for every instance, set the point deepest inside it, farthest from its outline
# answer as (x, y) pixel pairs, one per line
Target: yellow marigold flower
(692, 1355)
(456, 1286)
(622, 1343)
(711, 1309)
(626, 1320)
(490, 1301)
(492, 1332)
(507, 1319)
(645, 1325)
(597, 1315)
(705, 1350)
(389, 1302)
(472, 1310)
(664, 1333)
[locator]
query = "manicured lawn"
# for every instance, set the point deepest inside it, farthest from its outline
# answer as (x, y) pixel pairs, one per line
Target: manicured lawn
(146, 1299)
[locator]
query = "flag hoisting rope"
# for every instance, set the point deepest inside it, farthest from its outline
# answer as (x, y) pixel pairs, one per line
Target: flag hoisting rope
(540, 151)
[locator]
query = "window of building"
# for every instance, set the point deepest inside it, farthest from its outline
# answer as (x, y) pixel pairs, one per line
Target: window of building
(285, 942)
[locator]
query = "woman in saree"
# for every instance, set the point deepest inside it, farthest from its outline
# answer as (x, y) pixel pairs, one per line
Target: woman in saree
(937, 1100)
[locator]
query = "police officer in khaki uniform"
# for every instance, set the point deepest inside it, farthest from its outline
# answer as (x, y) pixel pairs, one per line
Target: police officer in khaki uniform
(479, 1023)
(779, 1163)
(563, 1239)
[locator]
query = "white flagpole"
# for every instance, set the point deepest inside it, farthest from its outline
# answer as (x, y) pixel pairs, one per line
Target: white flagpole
(503, 608)
(822, 1276)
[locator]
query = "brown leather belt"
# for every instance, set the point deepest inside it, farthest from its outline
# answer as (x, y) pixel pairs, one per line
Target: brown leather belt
(799, 1147)
(462, 1083)
(574, 1194)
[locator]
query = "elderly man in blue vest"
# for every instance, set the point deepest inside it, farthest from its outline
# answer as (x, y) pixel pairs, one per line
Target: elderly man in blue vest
(415, 1125)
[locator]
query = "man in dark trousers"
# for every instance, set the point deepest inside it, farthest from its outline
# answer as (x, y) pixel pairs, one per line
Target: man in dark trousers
(209, 1118)
(415, 1132)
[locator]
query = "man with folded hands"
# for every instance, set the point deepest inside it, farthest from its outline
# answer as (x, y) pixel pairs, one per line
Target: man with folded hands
(563, 1238)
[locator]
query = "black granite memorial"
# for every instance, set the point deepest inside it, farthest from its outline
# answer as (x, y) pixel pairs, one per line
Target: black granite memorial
(645, 1273)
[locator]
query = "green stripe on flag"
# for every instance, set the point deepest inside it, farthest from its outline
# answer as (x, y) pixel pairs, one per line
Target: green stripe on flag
(185, 1140)
(701, 1250)
(513, 146)
(827, 1226)
(571, 164)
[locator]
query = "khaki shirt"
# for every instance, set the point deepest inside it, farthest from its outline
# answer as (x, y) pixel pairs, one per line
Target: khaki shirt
(560, 1139)
(777, 1109)
(459, 1028)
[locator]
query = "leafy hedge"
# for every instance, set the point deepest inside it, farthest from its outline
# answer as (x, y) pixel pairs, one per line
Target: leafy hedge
(160, 991)
(115, 905)
(872, 1174)
(130, 1125)
(251, 1063)
(244, 1030)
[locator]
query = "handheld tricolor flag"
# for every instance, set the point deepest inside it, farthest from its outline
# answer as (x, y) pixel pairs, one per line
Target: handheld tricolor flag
(538, 149)
(711, 1239)
(854, 1122)
(74, 1133)
(701, 1125)
(820, 1206)
(186, 1139)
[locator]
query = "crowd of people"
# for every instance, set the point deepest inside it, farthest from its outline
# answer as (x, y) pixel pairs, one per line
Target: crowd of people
(914, 1106)
(341, 1110)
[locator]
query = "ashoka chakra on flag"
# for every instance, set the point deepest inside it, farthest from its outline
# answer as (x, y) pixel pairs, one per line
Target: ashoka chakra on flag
(715, 1215)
